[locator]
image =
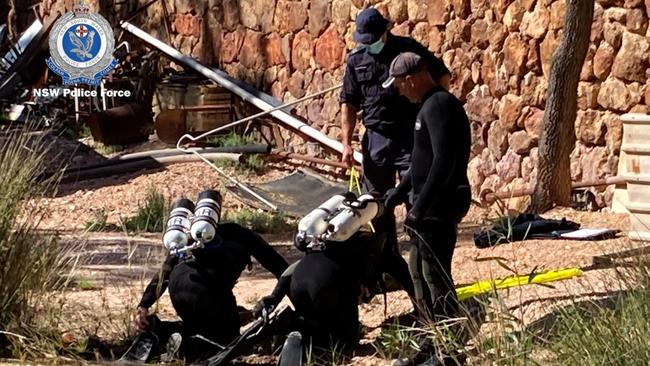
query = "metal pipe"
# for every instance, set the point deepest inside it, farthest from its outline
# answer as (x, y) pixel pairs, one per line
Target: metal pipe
(311, 159)
(231, 84)
(489, 197)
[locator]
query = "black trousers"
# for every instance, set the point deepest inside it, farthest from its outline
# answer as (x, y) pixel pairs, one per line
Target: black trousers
(430, 260)
(382, 161)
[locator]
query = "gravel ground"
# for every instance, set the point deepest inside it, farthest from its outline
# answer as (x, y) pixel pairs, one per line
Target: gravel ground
(121, 266)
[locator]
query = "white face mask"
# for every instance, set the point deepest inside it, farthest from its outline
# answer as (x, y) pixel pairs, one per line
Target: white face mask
(376, 47)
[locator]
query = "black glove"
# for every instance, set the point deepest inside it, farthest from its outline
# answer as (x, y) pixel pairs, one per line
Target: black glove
(394, 198)
(267, 303)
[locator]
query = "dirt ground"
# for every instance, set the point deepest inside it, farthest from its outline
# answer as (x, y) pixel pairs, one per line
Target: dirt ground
(118, 267)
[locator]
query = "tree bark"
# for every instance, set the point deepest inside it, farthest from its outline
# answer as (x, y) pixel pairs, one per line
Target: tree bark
(553, 186)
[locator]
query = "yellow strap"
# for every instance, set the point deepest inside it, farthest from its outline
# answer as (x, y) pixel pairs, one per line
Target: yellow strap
(485, 286)
(355, 182)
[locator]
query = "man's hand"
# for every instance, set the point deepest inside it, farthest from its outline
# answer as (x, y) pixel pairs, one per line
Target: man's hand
(394, 198)
(266, 303)
(141, 322)
(347, 155)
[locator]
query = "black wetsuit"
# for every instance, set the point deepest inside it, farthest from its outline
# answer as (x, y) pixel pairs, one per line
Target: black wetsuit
(325, 288)
(441, 197)
(201, 290)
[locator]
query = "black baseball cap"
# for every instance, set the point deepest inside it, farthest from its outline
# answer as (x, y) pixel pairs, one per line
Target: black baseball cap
(370, 25)
(406, 63)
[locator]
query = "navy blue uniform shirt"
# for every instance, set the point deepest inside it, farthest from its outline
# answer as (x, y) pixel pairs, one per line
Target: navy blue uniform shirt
(384, 110)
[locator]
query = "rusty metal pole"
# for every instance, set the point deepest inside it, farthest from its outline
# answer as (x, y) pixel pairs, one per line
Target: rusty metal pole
(487, 197)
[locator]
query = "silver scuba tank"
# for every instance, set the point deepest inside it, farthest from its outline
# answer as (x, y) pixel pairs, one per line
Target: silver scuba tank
(206, 216)
(352, 217)
(178, 225)
(314, 224)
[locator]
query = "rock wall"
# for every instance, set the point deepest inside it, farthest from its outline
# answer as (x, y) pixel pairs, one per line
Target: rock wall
(499, 52)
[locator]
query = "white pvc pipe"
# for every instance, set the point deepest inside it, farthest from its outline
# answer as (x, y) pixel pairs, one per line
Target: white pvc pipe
(227, 82)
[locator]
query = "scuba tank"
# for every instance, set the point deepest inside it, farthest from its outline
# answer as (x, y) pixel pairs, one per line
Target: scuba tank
(314, 224)
(178, 225)
(206, 216)
(355, 214)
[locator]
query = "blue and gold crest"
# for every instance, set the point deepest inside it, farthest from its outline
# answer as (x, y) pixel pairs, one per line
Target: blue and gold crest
(81, 47)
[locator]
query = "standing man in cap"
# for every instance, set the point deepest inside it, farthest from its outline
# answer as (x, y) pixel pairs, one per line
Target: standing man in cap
(437, 180)
(387, 116)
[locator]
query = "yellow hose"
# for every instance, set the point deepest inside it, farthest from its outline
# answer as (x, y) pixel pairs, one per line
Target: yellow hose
(485, 286)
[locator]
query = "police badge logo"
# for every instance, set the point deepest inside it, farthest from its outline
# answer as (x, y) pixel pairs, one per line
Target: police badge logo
(81, 47)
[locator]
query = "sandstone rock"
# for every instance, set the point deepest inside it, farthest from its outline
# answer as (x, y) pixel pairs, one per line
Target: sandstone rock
(437, 14)
(474, 174)
(480, 105)
(458, 32)
(398, 11)
(629, 4)
(489, 165)
(215, 36)
(231, 44)
(462, 8)
(614, 134)
(436, 40)
(613, 33)
(574, 158)
(476, 72)
(597, 24)
(287, 42)
(590, 129)
(528, 4)
(329, 49)
(510, 111)
(615, 15)
(611, 3)
(290, 16)
(529, 168)
(462, 84)
(603, 60)
(588, 95)
(272, 50)
(533, 90)
(503, 83)
(402, 29)
(330, 110)
(230, 14)
(632, 59)
(547, 49)
(301, 51)
(558, 11)
(248, 16)
(587, 72)
(533, 62)
(181, 6)
(520, 142)
(314, 113)
(478, 7)
(515, 52)
(250, 55)
(533, 121)
(491, 183)
(270, 77)
(421, 33)
(514, 14)
(417, 10)
(509, 167)
(480, 35)
(187, 25)
(497, 140)
(358, 3)
(535, 24)
(637, 21)
(614, 95)
(497, 34)
(319, 16)
(594, 163)
(341, 15)
(479, 140)
(498, 8)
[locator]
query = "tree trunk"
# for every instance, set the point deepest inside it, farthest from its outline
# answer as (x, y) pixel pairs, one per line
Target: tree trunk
(553, 186)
